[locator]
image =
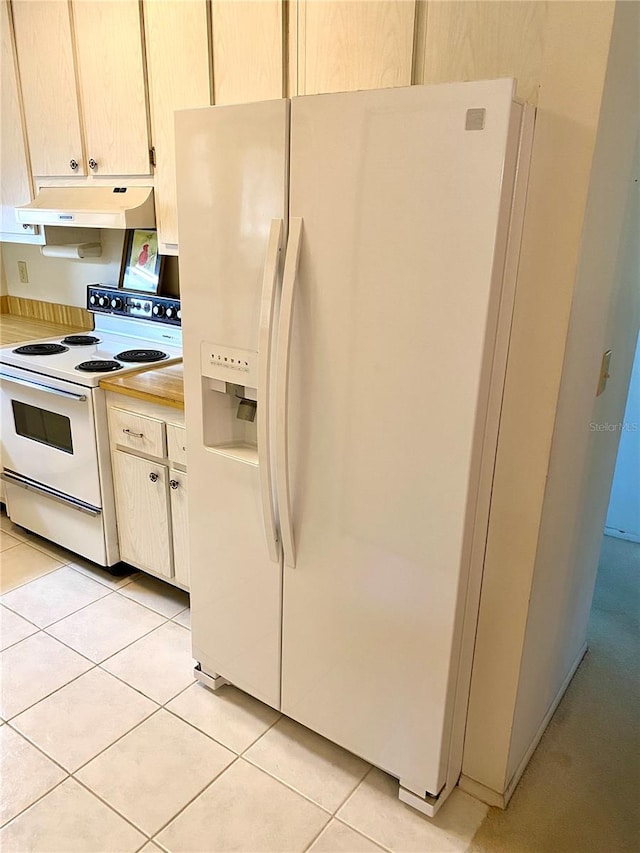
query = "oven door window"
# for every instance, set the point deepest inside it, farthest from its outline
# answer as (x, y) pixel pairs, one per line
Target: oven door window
(43, 426)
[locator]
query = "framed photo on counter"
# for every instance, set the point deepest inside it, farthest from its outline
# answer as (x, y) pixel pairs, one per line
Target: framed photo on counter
(141, 265)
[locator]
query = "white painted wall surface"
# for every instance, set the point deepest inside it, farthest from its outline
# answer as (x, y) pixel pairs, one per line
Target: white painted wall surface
(605, 314)
(59, 280)
(623, 517)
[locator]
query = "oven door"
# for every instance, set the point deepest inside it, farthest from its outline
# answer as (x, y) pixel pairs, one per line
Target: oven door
(48, 435)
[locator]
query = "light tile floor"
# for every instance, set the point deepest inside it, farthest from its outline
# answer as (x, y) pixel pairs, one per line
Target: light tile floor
(109, 744)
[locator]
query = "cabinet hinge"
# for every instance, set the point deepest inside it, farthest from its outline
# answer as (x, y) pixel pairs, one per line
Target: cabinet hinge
(152, 156)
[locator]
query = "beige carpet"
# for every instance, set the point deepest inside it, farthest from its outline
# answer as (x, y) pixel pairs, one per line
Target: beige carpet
(581, 790)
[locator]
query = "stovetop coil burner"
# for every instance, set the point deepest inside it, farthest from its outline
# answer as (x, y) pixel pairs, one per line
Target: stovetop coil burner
(80, 340)
(142, 355)
(40, 349)
(98, 366)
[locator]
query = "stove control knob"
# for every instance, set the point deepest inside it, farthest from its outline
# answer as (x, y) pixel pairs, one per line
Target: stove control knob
(179, 314)
(116, 303)
(170, 313)
(103, 301)
(158, 310)
(93, 299)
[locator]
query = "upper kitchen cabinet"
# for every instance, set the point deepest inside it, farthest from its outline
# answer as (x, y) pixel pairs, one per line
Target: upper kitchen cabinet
(177, 43)
(49, 93)
(342, 46)
(83, 86)
(15, 187)
(112, 86)
(248, 50)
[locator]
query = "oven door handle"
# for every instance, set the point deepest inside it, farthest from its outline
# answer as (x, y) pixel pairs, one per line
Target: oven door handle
(40, 387)
(32, 486)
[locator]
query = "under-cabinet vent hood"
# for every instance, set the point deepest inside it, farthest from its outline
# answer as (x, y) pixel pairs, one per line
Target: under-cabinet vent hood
(91, 207)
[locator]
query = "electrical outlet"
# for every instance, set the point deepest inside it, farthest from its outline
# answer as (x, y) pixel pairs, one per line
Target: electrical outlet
(23, 272)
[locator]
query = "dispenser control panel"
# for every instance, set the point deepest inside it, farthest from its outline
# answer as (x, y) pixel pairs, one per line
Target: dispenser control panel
(230, 364)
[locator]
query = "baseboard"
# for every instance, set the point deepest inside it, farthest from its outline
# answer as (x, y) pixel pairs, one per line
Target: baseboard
(618, 534)
(481, 792)
(543, 725)
(501, 800)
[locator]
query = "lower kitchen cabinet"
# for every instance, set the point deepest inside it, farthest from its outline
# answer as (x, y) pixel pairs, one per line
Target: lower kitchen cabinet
(180, 526)
(148, 459)
(142, 506)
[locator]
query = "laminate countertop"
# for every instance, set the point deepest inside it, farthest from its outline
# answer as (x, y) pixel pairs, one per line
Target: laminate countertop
(15, 330)
(163, 385)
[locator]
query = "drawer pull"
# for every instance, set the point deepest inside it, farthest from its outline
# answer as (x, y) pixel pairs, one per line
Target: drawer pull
(153, 477)
(134, 434)
(174, 484)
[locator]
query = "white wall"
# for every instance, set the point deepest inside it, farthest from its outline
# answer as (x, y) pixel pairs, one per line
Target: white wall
(605, 314)
(59, 280)
(623, 516)
(547, 515)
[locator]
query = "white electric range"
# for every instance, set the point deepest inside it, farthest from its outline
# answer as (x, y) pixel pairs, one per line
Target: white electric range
(55, 439)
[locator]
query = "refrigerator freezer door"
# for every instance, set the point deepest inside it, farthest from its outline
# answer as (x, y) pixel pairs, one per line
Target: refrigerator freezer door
(406, 206)
(232, 167)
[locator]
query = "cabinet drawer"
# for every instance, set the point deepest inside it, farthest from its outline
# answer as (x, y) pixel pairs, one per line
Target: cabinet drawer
(177, 444)
(138, 432)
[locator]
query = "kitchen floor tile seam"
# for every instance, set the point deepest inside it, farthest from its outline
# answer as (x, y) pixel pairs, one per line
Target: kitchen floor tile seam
(55, 622)
(48, 571)
(66, 776)
(201, 731)
(37, 800)
(357, 831)
(217, 778)
(15, 613)
(157, 612)
(18, 542)
(182, 808)
(104, 598)
(301, 793)
(73, 565)
(110, 807)
(145, 695)
(113, 743)
(43, 550)
(363, 834)
(42, 698)
(38, 748)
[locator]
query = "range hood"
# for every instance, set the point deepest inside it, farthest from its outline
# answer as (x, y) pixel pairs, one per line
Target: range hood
(91, 207)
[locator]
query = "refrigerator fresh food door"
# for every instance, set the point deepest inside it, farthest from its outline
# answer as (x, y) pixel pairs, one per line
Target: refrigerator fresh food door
(232, 202)
(404, 197)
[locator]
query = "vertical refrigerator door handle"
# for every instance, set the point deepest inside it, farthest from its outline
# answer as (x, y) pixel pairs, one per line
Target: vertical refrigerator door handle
(282, 389)
(267, 308)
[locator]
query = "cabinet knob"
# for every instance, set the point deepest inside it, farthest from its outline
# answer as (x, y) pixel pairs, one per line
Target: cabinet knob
(174, 484)
(93, 164)
(73, 164)
(153, 477)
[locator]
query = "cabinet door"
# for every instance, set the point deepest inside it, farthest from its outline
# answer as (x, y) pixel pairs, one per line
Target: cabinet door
(142, 508)
(343, 46)
(180, 525)
(49, 93)
(177, 47)
(111, 76)
(15, 187)
(247, 50)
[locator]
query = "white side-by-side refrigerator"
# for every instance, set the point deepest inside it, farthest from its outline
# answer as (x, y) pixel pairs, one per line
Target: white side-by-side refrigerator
(347, 274)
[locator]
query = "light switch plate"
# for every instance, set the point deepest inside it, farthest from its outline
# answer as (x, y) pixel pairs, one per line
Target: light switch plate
(604, 372)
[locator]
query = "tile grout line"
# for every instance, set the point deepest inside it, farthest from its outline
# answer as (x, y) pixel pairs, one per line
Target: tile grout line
(238, 756)
(37, 800)
(55, 621)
